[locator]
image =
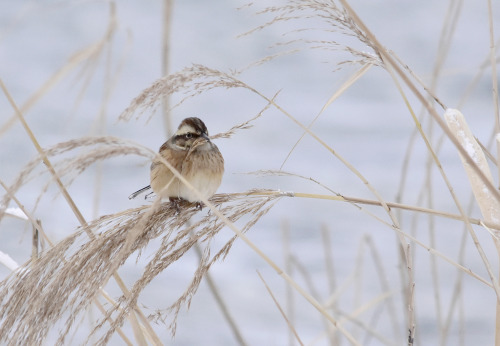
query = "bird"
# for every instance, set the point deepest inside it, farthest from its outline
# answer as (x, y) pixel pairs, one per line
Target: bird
(191, 152)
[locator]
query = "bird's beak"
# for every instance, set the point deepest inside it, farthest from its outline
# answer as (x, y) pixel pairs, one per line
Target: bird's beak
(205, 136)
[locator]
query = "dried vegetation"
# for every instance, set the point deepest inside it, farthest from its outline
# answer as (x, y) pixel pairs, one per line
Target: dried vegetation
(52, 291)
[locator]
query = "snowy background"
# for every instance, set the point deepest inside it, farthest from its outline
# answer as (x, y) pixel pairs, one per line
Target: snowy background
(369, 125)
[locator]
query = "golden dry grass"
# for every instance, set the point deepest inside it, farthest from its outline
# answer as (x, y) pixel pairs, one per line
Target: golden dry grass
(95, 260)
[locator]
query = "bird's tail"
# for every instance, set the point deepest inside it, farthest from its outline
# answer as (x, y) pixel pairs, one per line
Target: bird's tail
(138, 192)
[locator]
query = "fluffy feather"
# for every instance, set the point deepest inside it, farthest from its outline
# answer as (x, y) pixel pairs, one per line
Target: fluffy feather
(191, 152)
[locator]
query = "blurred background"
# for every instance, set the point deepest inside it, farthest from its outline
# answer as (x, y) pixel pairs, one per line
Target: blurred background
(45, 65)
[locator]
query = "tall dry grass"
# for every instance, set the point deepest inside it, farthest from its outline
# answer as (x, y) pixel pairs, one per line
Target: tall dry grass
(49, 293)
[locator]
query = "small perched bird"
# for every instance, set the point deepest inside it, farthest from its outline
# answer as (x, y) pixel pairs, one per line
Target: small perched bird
(195, 157)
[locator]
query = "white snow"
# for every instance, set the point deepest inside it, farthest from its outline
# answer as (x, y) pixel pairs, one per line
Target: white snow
(456, 121)
(16, 212)
(7, 261)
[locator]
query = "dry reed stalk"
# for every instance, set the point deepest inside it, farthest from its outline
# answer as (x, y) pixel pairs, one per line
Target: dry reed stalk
(99, 127)
(27, 216)
(8, 261)
(494, 82)
(355, 201)
(384, 286)
(330, 274)
(477, 78)
(445, 41)
(488, 204)
(331, 301)
(165, 62)
(357, 288)
(35, 242)
(287, 259)
(345, 86)
(353, 317)
(329, 329)
(220, 302)
(457, 298)
(88, 71)
(432, 158)
(288, 322)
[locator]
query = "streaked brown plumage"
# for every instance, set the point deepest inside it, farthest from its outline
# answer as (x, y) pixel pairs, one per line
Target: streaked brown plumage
(190, 152)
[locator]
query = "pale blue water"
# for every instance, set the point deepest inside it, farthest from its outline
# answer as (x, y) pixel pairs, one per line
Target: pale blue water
(368, 125)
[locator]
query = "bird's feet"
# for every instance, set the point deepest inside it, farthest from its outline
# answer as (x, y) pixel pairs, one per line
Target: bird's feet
(176, 203)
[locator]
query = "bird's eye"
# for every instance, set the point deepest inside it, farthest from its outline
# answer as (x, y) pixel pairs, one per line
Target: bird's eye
(189, 135)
